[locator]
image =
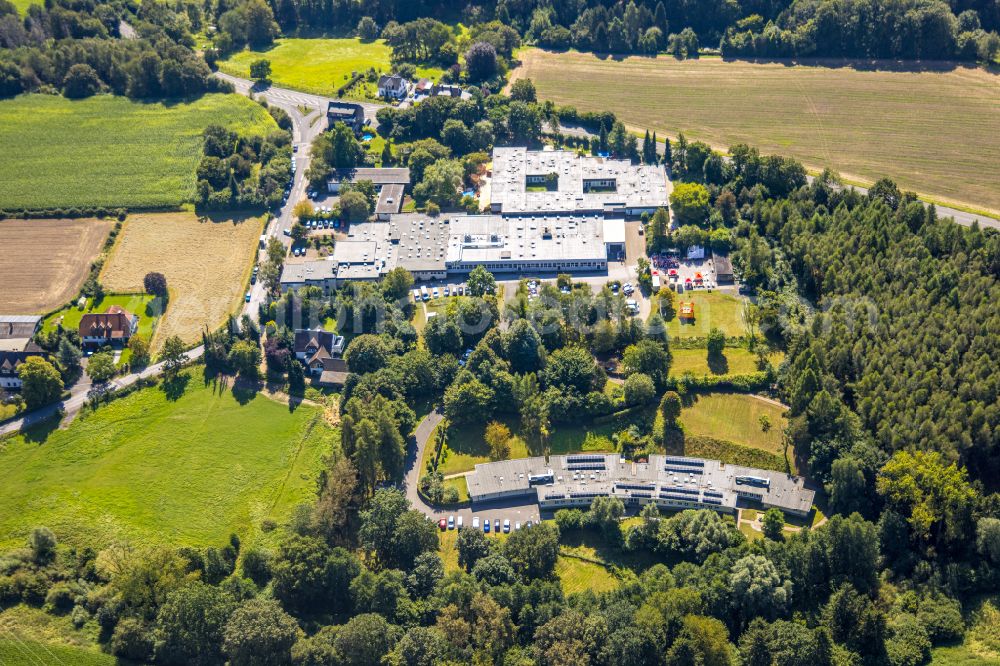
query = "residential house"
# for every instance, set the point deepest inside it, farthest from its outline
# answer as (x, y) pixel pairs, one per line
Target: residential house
(446, 90)
(114, 327)
(320, 351)
(423, 88)
(352, 115)
(11, 361)
(393, 86)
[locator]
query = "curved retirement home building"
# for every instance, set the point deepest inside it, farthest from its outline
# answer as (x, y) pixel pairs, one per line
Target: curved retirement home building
(671, 482)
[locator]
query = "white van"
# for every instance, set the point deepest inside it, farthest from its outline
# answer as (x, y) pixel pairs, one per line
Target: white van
(424, 296)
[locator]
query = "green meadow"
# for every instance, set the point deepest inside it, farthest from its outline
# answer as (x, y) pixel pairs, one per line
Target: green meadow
(320, 66)
(110, 151)
(182, 465)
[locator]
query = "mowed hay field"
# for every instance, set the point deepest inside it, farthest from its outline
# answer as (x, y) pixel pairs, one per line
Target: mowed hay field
(184, 470)
(46, 261)
(110, 151)
(934, 132)
(206, 261)
(320, 66)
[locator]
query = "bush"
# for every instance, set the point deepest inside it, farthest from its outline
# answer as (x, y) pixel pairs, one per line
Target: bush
(131, 640)
(60, 598)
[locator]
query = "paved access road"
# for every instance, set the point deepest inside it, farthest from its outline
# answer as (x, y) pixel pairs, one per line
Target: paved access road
(518, 510)
(78, 396)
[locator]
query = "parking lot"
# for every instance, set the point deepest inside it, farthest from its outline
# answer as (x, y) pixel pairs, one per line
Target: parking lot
(684, 274)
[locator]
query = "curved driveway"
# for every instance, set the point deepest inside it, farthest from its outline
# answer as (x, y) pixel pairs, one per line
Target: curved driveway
(517, 510)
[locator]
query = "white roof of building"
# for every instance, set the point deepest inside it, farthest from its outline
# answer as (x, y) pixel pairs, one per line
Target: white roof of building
(591, 474)
(301, 273)
(636, 186)
(614, 231)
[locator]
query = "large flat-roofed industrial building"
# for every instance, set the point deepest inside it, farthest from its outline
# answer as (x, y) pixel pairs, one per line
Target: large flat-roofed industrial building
(432, 248)
(671, 482)
(562, 181)
(552, 211)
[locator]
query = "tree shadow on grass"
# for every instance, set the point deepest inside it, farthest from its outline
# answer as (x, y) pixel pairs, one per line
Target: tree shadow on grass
(39, 433)
(245, 390)
(174, 386)
(718, 364)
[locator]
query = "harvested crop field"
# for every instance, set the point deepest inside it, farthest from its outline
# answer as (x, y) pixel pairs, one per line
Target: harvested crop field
(46, 261)
(206, 261)
(932, 131)
(111, 151)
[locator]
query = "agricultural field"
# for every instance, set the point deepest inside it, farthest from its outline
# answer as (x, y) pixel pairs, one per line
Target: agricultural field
(321, 66)
(46, 261)
(711, 309)
(735, 361)
(206, 260)
(736, 417)
(137, 155)
(931, 130)
(185, 467)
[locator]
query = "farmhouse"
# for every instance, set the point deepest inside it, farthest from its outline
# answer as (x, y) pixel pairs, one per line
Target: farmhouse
(116, 326)
(379, 178)
(561, 181)
(352, 115)
(393, 87)
(671, 482)
(16, 331)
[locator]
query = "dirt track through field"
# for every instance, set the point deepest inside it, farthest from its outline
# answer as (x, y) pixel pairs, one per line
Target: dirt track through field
(934, 130)
(206, 262)
(46, 261)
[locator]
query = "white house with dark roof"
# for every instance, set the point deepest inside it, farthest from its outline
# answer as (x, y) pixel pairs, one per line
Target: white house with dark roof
(393, 86)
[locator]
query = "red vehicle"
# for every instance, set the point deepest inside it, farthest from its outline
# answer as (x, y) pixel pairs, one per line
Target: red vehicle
(443, 524)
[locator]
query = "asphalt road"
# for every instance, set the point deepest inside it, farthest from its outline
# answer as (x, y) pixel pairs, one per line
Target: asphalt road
(518, 510)
(79, 393)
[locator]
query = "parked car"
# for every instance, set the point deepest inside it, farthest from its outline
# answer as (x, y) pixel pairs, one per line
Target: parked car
(287, 232)
(506, 525)
(486, 526)
(517, 525)
(460, 523)
(475, 522)
(247, 297)
(443, 524)
(496, 525)
(451, 522)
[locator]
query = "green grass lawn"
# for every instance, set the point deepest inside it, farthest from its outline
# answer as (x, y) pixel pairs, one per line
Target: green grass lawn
(110, 151)
(712, 309)
(459, 484)
(737, 360)
(735, 417)
(149, 308)
(578, 575)
(150, 469)
(31, 636)
(466, 447)
(321, 66)
(22, 5)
